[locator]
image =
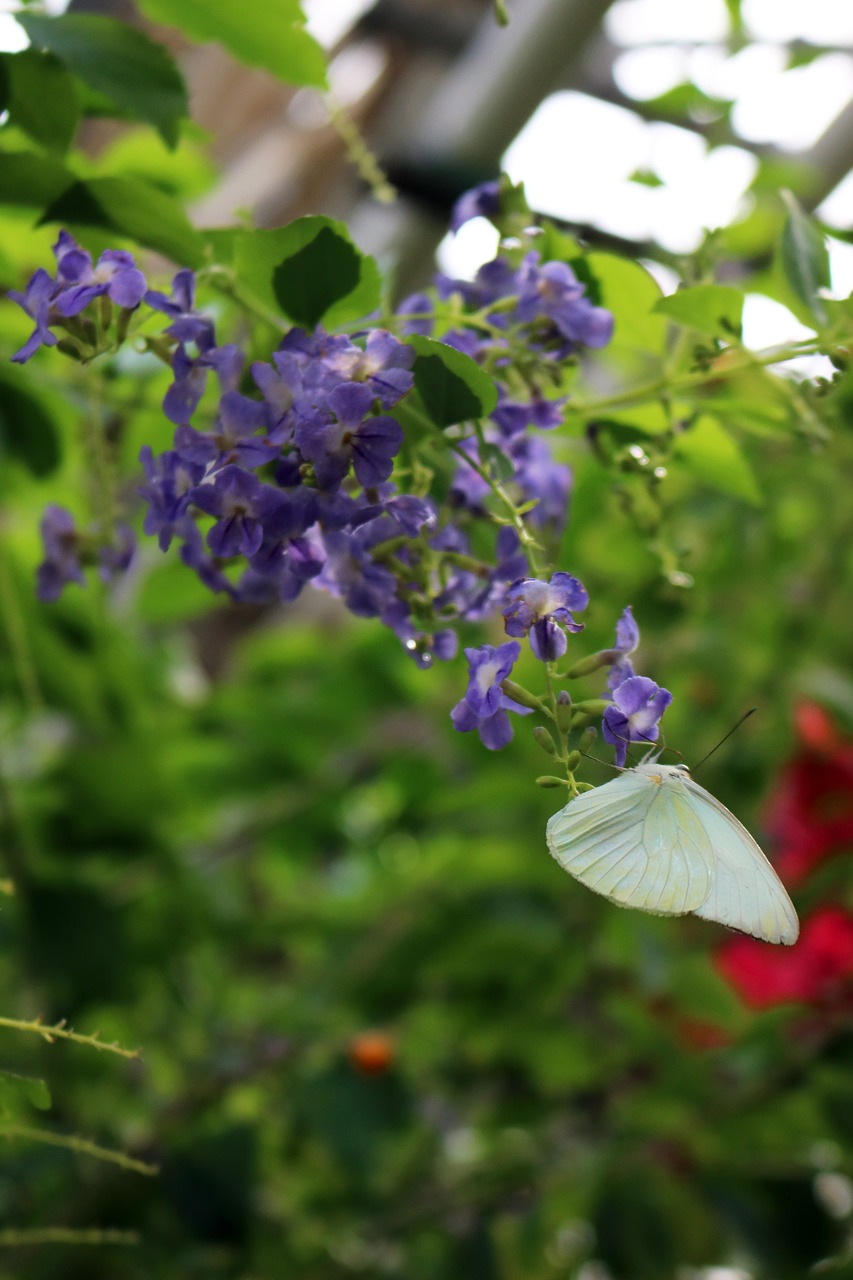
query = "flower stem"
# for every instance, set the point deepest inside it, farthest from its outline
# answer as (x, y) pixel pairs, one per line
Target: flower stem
(562, 737)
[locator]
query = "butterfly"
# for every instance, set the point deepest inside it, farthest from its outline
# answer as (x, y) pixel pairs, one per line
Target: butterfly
(654, 839)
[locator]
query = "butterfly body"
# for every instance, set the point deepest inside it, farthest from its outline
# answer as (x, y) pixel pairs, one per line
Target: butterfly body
(655, 840)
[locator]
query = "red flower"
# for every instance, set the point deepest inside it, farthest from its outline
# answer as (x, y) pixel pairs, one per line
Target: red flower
(814, 970)
(809, 815)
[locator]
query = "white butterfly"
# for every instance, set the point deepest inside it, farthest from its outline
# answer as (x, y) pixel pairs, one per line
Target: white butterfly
(654, 839)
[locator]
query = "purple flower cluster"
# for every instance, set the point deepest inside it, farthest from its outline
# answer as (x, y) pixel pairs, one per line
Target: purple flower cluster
(52, 301)
(542, 310)
(67, 550)
(290, 479)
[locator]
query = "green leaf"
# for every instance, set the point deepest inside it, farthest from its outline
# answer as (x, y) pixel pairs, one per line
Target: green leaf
(117, 61)
(269, 35)
(310, 270)
(41, 96)
(30, 180)
(27, 431)
(646, 178)
(709, 308)
(131, 208)
(627, 289)
(452, 386)
(501, 467)
(805, 259)
(17, 1093)
(712, 456)
(314, 279)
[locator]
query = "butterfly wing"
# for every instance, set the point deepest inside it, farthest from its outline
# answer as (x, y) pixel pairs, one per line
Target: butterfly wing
(632, 841)
(745, 892)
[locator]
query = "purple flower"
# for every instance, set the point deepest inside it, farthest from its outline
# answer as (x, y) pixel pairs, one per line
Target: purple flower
(485, 704)
(279, 570)
(468, 488)
(384, 366)
(539, 476)
(242, 505)
(496, 279)
(181, 305)
(61, 563)
(367, 444)
(194, 356)
(482, 201)
(115, 274)
(554, 292)
(36, 301)
(419, 307)
(514, 417)
(233, 438)
(627, 641)
(634, 715)
(410, 514)
(283, 391)
(169, 480)
(365, 587)
(424, 648)
(542, 609)
(323, 358)
(116, 558)
(195, 557)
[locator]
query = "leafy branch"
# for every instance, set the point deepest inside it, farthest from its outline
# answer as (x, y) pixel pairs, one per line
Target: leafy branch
(59, 1031)
(83, 1146)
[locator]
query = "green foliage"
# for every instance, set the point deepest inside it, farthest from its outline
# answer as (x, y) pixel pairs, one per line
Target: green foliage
(708, 452)
(715, 309)
(272, 37)
(129, 70)
(41, 97)
(20, 1093)
(309, 270)
(451, 386)
(28, 432)
(130, 208)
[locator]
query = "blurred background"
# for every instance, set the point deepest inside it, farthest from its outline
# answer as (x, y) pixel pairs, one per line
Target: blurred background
(383, 1033)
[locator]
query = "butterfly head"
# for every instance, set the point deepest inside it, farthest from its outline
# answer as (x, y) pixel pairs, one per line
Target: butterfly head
(658, 773)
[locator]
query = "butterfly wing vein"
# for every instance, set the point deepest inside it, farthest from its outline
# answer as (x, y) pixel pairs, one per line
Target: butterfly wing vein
(659, 842)
(746, 893)
(626, 840)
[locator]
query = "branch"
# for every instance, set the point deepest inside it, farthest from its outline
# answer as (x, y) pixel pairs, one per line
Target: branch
(11, 1237)
(81, 1145)
(59, 1031)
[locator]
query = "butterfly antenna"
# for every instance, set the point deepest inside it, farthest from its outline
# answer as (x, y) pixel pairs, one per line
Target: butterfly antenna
(606, 763)
(725, 738)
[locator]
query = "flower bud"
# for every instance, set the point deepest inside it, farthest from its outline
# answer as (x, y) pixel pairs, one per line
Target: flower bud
(564, 711)
(573, 761)
(543, 737)
(593, 706)
(586, 666)
(546, 781)
(519, 694)
(587, 741)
